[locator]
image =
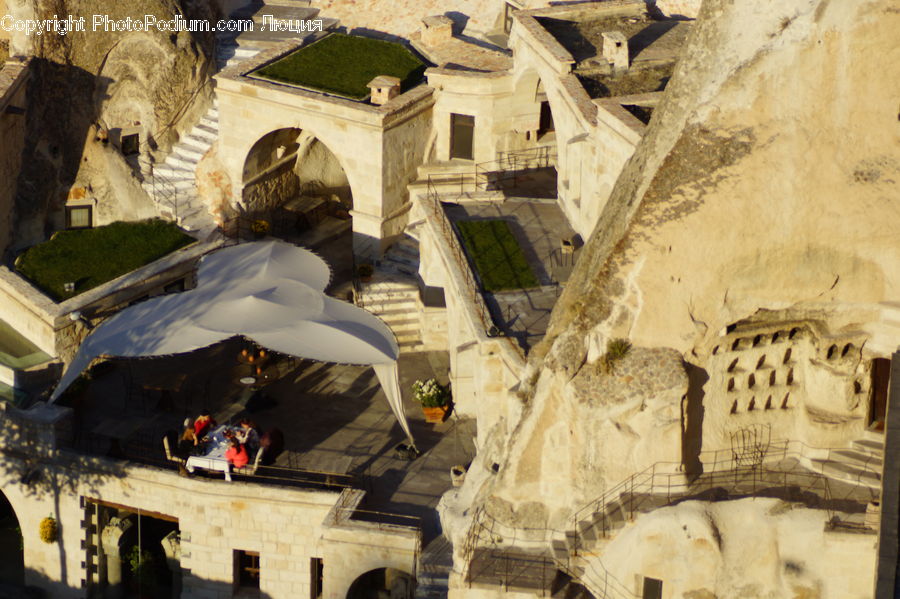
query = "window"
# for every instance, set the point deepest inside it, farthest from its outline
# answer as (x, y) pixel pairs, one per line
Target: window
(462, 136)
(652, 588)
(131, 144)
(79, 217)
(316, 570)
(246, 569)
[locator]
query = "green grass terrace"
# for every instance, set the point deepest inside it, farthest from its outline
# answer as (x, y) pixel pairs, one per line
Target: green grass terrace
(496, 253)
(344, 64)
(91, 257)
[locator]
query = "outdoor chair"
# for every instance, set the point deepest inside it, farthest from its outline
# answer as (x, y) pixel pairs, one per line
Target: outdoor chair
(169, 456)
(252, 466)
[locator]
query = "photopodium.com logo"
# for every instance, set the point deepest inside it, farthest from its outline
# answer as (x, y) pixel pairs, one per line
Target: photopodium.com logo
(105, 24)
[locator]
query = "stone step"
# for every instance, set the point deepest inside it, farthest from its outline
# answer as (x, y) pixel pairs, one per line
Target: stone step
(869, 445)
(171, 171)
(206, 132)
(203, 144)
(210, 122)
(863, 459)
(848, 473)
(187, 151)
(176, 159)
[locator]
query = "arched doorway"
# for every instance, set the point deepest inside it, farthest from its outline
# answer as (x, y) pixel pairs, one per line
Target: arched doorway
(12, 562)
(546, 132)
(295, 183)
(382, 583)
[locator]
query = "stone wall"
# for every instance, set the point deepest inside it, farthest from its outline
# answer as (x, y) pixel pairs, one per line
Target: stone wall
(378, 147)
(287, 526)
(47, 324)
(749, 547)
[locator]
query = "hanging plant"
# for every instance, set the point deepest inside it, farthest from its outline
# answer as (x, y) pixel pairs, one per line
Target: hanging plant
(48, 530)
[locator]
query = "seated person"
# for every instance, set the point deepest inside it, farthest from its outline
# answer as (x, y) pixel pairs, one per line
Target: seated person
(188, 443)
(248, 435)
(237, 454)
(203, 424)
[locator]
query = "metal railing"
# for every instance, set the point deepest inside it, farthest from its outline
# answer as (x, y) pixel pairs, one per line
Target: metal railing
(162, 189)
(661, 485)
(497, 174)
(146, 448)
(472, 288)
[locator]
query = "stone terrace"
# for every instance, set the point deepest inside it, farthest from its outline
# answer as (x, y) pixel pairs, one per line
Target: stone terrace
(334, 418)
(653, 47)
(539, 226)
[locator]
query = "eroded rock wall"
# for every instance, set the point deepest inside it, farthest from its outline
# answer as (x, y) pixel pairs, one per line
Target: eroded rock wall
(84, 83)
(766, 183)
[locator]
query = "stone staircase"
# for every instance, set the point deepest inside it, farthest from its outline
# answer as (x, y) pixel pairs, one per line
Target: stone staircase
(393, 293)
(172, 184)
(433, 572)
(858, 464)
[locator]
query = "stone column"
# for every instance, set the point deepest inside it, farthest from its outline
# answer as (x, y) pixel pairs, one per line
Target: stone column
(111, 539)
(171, 544)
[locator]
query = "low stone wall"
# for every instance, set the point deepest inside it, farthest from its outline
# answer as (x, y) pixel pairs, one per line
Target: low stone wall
(47, 324)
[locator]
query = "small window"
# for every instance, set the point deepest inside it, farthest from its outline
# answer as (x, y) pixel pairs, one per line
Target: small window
(131, 144)
(652, 588)
(246, 569)
(316, 572)
(462, 136)
(79, 217)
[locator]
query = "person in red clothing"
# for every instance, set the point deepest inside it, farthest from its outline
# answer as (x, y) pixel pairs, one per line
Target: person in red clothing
(203, 424)
(237, 454)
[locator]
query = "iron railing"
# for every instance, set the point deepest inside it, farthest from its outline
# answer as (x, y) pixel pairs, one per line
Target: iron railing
(472, 288)
(660, 485)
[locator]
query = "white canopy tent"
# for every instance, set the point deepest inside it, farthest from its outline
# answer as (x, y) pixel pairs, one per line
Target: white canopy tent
(271, 292)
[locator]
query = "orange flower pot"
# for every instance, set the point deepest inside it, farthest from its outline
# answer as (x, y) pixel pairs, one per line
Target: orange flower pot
(435, 415)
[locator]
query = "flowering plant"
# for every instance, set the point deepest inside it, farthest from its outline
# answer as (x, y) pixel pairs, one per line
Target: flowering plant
(47, 530)
(260, 227)
(431, 394)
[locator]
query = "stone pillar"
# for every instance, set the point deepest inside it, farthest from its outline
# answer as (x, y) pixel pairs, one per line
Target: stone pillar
(112, 539)
(171, 544)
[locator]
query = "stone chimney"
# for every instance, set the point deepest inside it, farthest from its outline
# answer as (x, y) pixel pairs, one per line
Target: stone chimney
(437, 30)
(615, 49)
(384, 88)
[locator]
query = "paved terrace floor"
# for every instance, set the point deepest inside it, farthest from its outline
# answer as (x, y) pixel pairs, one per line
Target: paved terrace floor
(334, 418)
(539, 226)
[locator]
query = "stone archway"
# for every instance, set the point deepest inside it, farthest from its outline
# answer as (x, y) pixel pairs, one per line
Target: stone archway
(381, 583)
(292, 180)
(12, 560)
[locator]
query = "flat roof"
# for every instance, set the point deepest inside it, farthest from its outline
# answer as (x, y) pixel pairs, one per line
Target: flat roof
(344, 65)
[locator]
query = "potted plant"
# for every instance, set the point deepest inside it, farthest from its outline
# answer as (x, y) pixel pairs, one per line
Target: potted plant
(143, 570)
(365, 272)
(434, 397)
(260, 228)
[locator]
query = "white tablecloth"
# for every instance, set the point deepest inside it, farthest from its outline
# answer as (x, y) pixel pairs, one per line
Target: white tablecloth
(214, 458)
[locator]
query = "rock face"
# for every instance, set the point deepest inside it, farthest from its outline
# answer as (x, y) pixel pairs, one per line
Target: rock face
(765, 184)
(745, 548)
(84, 83)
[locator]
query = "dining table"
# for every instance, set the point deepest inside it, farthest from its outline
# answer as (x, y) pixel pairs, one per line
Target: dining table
(213, 458)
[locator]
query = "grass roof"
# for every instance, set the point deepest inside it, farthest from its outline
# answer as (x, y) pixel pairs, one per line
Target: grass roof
(91, 257)
(499, 260)
(344, 64)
